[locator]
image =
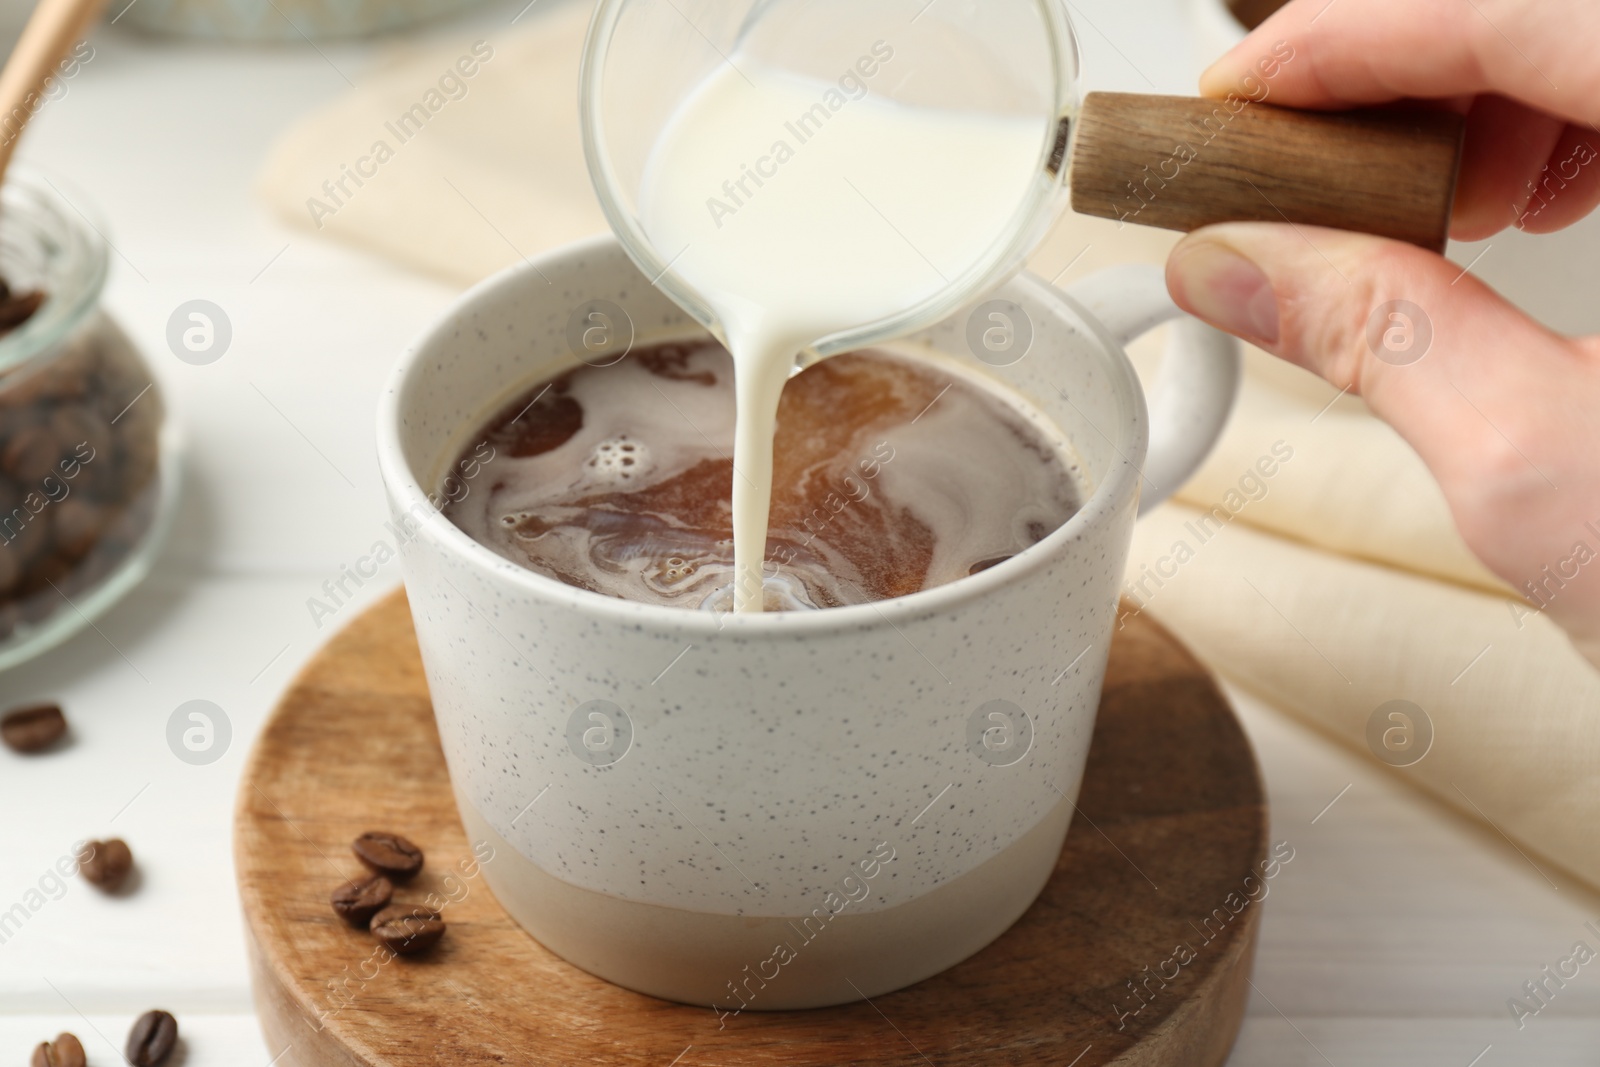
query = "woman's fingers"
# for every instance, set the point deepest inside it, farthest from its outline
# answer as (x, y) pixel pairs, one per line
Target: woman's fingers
(1568, 188)
(1353, 52)
(1524, 67)
(1506, 150)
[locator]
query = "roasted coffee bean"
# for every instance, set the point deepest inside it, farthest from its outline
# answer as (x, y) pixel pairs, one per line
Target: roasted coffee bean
(359, 899)
(26, 533)
(77, 524)
(388, 854)
(101, 560)
(407, 929)
(84, 435)
(105, 863)
(13, 420)
(31, 455)
(18, 308)
(33, 728)
(36, 607)
(151, 1039)
(53, 570)
(10, 569)
(65, 1051)
(41, 383)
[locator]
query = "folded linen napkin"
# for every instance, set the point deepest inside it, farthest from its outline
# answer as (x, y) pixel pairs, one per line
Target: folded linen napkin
(1332, 585)
(1500, 710)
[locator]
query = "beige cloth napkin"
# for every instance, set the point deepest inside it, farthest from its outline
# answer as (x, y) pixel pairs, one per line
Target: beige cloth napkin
(1511, 705)
(1331, 586)
(1353, 486)
(1339, 584)
(478, 178)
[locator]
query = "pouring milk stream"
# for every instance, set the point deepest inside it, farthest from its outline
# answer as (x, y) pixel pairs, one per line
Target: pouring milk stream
(799, 208)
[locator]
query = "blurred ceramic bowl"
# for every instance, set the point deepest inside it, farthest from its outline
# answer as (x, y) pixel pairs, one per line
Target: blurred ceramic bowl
(284, 20)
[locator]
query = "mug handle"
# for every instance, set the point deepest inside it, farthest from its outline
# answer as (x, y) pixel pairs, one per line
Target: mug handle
(1199, 378)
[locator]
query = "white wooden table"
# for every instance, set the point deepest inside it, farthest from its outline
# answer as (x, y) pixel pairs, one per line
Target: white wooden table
(1395, 937)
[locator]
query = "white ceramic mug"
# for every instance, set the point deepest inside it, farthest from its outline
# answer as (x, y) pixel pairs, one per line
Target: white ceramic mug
(790, 809)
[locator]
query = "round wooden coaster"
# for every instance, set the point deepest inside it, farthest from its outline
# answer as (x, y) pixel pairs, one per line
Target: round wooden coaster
(1138, 951)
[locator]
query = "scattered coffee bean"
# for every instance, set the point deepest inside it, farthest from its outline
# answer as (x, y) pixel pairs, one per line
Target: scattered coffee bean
(65, 1051)
(407, 929)
(151, 1039)
(359, 899)
(388, 854)
(105, 863)
(33, 728)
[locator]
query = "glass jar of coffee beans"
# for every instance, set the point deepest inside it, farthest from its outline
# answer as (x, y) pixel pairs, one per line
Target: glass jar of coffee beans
(86, 480)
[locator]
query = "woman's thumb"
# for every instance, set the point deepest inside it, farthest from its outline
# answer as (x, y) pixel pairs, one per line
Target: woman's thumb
(1437, 354)
(1502, 410)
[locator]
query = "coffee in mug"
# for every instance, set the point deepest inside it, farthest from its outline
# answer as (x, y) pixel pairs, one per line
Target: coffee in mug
(894, 473)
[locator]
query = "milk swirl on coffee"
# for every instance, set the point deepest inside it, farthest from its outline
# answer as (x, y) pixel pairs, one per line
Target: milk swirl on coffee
(847, 208)
(893, 474)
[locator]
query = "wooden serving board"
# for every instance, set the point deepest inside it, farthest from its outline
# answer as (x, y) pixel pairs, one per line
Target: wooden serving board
(1171, 823)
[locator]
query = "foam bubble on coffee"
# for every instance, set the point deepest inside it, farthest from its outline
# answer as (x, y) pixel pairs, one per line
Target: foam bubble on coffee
(620, 460)
(857, 209)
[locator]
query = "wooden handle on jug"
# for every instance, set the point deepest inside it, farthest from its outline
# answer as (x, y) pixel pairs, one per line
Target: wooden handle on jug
(1181, 163)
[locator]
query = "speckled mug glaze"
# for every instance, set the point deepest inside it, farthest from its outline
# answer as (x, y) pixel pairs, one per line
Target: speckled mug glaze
(791, 809)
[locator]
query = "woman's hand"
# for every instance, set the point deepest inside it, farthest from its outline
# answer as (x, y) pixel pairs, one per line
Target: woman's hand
(1505, 413)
